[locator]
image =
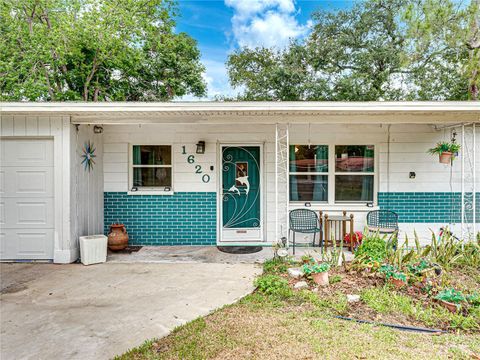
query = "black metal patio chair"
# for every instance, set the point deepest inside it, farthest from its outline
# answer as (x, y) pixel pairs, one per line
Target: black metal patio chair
(382, 221)
(306, 222)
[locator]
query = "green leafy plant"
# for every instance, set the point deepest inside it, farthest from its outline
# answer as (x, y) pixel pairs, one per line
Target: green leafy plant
(392, 272)
(307, 258)
(373, 249)
(275, 266)
(473, 299)
(422, 267)
(451, 295)
(446, 250)
(444, 146)
(273, 285)
(315, 268)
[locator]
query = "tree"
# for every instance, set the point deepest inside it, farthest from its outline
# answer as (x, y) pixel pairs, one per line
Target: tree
(448, 36)
(372, 51)
(95, 50)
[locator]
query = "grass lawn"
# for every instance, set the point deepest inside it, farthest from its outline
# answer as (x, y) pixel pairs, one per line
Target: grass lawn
(290, 324)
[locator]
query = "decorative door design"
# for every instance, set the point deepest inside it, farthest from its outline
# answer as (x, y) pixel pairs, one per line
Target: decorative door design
(241, 192)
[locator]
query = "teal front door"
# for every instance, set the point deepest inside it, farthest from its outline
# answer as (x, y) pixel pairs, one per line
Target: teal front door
(241, 194)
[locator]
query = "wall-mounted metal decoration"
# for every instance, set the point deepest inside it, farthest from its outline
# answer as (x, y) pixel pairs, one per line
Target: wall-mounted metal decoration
(88, 156)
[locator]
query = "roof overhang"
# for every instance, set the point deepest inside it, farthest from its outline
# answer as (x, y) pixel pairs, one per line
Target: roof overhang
(415, 112)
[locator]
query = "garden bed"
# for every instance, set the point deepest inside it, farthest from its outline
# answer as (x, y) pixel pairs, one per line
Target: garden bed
(289, 316)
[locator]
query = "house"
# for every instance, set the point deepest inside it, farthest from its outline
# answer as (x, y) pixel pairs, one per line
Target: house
(209, 173)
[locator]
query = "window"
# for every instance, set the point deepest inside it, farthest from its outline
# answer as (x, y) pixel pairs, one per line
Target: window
(308, 173)
(348, 176)
(354, 173)
(152, 167)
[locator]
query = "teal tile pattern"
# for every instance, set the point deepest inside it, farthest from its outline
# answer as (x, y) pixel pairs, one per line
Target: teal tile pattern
(185, 218)
(426, 207)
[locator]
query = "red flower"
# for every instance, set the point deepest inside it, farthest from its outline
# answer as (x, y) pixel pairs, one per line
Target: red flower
(357, 235)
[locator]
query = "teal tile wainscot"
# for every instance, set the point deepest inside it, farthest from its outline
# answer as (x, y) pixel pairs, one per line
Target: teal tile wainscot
(185, 218)
(426, 207)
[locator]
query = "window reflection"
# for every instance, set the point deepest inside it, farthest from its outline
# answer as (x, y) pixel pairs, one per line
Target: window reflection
(354, 158)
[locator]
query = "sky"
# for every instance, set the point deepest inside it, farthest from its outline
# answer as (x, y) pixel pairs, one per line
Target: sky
(221, 26)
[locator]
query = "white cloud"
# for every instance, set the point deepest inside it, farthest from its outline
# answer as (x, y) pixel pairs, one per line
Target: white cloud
(270, 23)
(217, 81)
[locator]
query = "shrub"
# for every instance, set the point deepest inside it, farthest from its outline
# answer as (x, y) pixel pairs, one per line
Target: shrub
(273, 285)
(373, 248)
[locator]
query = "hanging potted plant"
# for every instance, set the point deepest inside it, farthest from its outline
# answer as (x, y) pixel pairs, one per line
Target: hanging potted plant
(319, 272)
(446, 151)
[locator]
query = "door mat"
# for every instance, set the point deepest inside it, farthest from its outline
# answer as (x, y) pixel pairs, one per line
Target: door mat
(240, 249)
(129, 249)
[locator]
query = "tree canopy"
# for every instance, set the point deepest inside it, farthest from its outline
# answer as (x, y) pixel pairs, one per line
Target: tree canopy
(95, 50)
(376, 50)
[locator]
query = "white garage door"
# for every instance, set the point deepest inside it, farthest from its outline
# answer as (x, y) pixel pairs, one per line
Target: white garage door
(26, 206)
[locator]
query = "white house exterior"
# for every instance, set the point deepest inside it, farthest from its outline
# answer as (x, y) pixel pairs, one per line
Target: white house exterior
(148, 175)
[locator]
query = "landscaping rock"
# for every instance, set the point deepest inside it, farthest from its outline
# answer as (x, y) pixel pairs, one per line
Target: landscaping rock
(295, 273)
(300, 285)
(353, 298)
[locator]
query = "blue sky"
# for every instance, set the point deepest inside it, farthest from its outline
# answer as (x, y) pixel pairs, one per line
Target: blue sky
(221, 26)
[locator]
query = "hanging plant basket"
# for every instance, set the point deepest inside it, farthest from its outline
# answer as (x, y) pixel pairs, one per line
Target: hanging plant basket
(446, 151)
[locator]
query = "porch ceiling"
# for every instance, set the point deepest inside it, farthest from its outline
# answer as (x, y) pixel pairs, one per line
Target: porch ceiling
(255, 112)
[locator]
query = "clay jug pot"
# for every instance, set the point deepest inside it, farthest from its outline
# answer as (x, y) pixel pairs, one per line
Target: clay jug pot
(117, 237)
(321, 278)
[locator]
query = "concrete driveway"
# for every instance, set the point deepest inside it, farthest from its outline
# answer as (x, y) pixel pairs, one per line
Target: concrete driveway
(98, 311)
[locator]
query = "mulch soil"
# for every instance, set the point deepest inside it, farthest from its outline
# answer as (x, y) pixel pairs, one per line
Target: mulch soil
(354, 282)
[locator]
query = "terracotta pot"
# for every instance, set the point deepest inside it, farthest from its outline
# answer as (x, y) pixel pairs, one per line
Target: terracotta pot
(448, 305)
(321, 278)
(117, 237)
(445, 157)
(397, 283)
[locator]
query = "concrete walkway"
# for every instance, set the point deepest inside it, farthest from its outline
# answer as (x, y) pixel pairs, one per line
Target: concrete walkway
(77, 312)
(206, 254)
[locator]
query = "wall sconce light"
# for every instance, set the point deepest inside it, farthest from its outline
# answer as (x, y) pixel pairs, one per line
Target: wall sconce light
(97, 129)
(412, 174)
(201, 147)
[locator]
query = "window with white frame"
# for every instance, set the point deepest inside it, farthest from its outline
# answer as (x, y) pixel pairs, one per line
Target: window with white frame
(151, 167)
(308, 173)
(345, 176)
